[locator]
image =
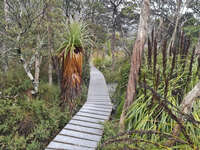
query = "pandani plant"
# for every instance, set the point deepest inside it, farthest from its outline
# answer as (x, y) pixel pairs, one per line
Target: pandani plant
(70, 56)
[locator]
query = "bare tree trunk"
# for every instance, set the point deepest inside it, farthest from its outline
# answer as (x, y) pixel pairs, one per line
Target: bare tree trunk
(37, 70)
(179, 14)
(26, 66)
(50, 72)
(115, 4)
(38, 60)
(4, 47)
(50, 44)
(113, 49)
(136, 60)
(186, 108)
(160, 29)
(5, 57)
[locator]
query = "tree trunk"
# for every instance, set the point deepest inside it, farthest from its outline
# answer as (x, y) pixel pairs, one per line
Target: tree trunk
(136, 60)
(113, 49)
(4, 47)
(37, 71)
(50, 43)
(179, 14)
(26, 65)
(186, 108)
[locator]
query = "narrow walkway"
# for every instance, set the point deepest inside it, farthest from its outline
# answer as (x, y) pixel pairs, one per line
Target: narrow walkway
(85, 129)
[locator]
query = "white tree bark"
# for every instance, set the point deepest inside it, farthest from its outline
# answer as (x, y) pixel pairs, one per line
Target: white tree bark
(50, 44)
(4, 47)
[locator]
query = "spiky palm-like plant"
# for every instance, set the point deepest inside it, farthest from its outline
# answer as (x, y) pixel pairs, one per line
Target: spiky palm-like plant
(70, 55)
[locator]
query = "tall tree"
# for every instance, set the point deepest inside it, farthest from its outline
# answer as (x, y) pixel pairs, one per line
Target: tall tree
(115, 4)
(136, 59)
(21, 17)
(4, 49)
(50, 41)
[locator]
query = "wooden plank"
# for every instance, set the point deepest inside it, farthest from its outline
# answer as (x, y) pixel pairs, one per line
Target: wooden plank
(84, 129)
(97, 109)
(75, 141)
(62, 146)
(98, 95)
(93, 116)
(99, 100)
(88, 119)
(95, 112)
(99, 103)
(80, 135)
(98, 106)
(87, 124)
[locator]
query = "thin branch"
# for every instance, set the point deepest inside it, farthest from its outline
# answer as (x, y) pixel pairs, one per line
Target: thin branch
(170, 113)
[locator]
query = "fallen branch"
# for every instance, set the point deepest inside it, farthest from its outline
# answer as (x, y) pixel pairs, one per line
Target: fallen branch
(171, 114)
(186, 107)
(8, 97)
(142, 132)
(132, 141)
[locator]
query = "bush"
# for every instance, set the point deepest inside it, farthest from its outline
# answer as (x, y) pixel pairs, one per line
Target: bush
(29, 124)
(104, 65)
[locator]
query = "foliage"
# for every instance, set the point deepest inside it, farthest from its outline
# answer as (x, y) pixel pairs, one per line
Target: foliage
(104, 65)
(148, 122)
(28, 122)
(77, 36)
(71, 55)
(12, 82)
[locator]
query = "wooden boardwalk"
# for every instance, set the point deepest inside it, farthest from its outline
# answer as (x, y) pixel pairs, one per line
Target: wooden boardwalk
(85, 129)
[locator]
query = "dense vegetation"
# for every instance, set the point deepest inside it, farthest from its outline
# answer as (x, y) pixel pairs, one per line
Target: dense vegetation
(30, 122)
(162, 84)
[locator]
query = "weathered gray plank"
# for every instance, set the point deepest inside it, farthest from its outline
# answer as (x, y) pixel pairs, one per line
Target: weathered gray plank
(98, 106)
(101, 100)
(95, 112)
(100, 103)
(93, 115)
(82, 118)
(98, 95)
(75, 141)
(62, 146)
(80, 135)
(97, 109)
(84, 129)
(86, 124)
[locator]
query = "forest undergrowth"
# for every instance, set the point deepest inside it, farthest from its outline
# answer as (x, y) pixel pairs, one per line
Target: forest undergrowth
(164, 80)
(31, 122)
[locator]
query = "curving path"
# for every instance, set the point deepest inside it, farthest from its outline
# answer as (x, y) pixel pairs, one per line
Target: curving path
(85, 129)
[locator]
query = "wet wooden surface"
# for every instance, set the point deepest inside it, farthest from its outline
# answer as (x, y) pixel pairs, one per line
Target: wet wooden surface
(85, 129)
